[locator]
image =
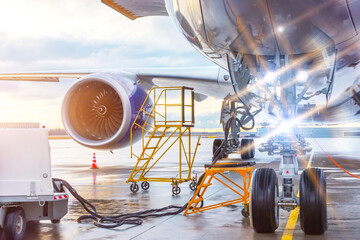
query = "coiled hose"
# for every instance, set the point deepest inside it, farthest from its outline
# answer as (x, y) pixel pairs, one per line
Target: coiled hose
(113, 221)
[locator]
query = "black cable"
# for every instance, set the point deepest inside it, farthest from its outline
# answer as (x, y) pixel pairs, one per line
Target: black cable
(220, 151)
(114, 221)
(248, 114)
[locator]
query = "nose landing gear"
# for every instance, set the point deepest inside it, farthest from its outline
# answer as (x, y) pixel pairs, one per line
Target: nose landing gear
(265, 201)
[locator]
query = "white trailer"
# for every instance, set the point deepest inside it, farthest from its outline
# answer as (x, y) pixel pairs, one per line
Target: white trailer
(26, 188)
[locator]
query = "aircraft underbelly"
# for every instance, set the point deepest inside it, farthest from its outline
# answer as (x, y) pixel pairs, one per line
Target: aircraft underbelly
(264, 27)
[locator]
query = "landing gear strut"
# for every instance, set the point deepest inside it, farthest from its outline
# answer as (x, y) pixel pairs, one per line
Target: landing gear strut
(232, 126)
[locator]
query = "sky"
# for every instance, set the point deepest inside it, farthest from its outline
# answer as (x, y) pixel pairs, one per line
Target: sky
(44, 35)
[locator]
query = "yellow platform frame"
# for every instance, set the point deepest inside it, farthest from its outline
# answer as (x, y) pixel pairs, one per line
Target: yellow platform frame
(211, 173)
(161, 133)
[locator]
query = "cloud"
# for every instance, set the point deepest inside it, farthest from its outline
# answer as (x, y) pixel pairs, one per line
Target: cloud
(69, 35)
(85, 21)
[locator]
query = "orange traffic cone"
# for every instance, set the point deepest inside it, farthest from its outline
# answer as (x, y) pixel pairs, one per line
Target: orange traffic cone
(94, 164)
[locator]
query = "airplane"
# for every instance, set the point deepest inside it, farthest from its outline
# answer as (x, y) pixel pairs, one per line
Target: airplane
(294, 61)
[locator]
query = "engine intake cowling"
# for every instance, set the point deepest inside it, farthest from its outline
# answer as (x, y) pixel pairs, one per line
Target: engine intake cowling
(99, 110)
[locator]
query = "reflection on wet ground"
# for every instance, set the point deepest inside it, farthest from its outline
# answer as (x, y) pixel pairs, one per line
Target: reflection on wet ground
(107, 190)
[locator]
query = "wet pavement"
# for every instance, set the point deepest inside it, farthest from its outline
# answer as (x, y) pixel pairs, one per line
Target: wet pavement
(107, 190)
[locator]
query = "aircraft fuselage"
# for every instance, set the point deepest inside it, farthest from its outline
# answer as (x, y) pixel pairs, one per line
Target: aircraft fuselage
(269, 27)
(289, 37)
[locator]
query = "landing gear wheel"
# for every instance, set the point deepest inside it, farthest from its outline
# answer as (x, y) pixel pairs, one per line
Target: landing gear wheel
(247, 149)
(313, 213)
(134, 187)
(264, 213)
(15, 224)
(252, 144)
(55, 221)
(176, 190)
(216, 144)
(145, 186)
(193, 185)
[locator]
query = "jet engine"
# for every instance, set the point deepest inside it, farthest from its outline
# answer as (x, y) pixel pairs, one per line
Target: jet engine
(99, 110)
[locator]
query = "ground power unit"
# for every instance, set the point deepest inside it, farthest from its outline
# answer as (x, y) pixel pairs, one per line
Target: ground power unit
(27, 192)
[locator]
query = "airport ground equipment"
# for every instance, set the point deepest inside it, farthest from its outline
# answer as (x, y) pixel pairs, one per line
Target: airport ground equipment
(217, 172)
(26, 189)
(166, 124)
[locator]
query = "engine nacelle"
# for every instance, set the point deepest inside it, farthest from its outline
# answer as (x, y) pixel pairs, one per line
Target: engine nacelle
(99, 110)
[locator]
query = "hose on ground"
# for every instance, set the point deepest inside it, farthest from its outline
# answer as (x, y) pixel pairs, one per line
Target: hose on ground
(113, 221)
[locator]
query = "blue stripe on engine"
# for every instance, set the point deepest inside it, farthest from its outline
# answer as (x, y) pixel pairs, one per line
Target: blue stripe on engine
(136, 98)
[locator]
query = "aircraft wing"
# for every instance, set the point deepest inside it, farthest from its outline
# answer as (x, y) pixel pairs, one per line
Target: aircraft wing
(40, 77)
(138, 8)
(207, 81)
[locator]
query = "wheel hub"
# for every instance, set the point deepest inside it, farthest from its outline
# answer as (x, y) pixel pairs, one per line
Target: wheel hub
(19, 224)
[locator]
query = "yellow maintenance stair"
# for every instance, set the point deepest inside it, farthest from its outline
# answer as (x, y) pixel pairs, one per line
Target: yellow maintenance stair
(165, 127)
(218, 172)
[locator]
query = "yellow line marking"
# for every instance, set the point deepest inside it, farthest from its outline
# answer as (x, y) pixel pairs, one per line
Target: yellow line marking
(290, 225)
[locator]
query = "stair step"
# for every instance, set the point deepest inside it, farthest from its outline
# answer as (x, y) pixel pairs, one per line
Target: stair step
(157, 136)
(206, 184)
(142, 159)
(151, 147)
(198, 200)
(140, 169)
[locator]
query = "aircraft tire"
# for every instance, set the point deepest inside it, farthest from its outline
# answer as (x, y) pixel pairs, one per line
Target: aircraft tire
(216, 144)
(252, 143)
(313, 211)
(264, 213)
(247, 148)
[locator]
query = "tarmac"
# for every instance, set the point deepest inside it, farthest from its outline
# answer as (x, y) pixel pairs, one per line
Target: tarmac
(107, 189)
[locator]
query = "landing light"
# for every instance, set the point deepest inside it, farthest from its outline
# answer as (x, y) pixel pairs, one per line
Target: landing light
(270, 77)
(286, 126)
(302, 76)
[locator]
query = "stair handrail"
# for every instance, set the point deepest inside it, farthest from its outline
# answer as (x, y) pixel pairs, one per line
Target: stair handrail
(152, 113)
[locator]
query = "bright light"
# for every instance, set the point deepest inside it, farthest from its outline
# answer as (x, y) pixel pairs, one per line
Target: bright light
(270, 77)
(302, 76)
(286, 126)
(280, 29)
